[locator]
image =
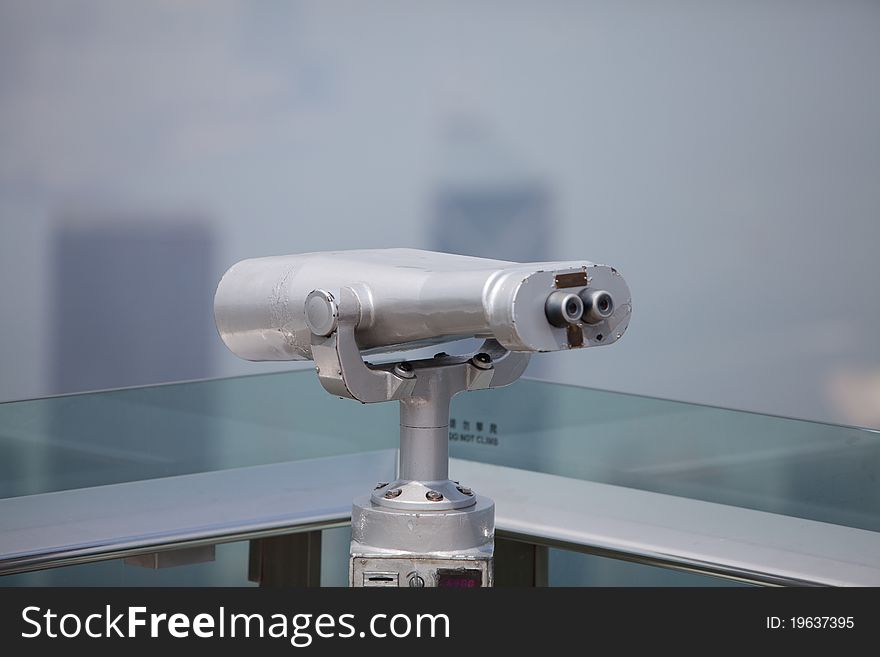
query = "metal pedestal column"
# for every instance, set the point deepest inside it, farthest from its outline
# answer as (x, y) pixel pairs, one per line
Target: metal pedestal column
(422, 529)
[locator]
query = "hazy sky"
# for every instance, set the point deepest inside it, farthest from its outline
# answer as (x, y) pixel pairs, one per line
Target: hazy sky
(724, 155)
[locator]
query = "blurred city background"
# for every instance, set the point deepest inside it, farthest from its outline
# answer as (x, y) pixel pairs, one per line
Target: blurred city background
(725, 156)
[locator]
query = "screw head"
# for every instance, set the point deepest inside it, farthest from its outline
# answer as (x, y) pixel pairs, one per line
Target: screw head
(464, 490)
(381, 484)
(434, 496)
(404, 370)
(482, 360)
(391, 494)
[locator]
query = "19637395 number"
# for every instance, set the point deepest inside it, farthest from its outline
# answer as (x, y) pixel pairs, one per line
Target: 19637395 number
(810, 622)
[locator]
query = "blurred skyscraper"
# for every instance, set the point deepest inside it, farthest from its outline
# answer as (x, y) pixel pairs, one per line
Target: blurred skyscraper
(131, 305)
(487, 201)
(132, 302)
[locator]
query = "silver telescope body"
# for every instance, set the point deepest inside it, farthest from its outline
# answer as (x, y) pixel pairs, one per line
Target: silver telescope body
(267, 308)
(422, 529)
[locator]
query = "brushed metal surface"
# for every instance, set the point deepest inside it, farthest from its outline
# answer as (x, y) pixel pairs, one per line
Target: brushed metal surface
(674, 532)
(105, 522)
(407, 298)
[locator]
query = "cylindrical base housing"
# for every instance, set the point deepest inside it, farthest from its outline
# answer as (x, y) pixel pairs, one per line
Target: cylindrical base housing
(457, 530)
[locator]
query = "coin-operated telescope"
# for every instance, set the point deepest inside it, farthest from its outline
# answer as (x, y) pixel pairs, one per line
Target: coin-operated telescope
(335, 307)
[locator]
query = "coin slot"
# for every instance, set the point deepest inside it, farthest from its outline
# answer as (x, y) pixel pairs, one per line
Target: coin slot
(381, 579)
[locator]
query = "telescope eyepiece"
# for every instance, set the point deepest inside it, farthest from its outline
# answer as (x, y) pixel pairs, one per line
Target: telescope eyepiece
(563, 308)
(598, 306)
